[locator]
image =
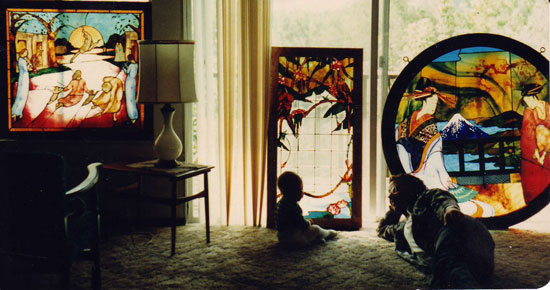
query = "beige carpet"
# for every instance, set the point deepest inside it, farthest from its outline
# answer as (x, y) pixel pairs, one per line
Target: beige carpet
(241, 257)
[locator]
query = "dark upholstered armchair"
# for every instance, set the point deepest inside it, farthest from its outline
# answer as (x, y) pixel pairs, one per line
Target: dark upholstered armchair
(44, 227)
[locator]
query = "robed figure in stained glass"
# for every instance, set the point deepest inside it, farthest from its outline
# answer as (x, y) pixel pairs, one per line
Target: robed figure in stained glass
(535, 143)
(419, 142)
(420, 148)
(131, 70)
(23, 65)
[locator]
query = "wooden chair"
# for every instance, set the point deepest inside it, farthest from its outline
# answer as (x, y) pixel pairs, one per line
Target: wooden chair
(44, 227)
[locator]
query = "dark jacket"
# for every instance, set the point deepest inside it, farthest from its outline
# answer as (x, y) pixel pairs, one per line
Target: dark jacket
(289, 217)
(427, 214)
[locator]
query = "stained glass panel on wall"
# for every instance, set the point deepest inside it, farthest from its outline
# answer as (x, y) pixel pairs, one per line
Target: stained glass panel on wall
(470, 115)
(315, 131)
(74, 68)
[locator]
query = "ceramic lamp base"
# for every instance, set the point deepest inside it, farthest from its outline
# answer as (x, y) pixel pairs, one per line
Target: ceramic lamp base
(168, 146)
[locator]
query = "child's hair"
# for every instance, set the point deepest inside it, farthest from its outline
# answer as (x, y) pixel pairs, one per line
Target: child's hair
(289, 183)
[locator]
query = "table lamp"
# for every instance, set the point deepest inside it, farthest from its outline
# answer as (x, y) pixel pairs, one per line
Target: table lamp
(166, 77)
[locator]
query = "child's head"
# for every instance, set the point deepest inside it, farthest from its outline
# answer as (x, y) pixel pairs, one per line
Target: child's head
(290, 185)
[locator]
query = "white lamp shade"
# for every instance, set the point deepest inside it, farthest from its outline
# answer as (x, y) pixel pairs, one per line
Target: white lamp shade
(166, 72)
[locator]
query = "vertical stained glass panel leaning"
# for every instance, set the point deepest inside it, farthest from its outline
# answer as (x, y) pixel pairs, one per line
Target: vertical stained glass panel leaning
(315, 132)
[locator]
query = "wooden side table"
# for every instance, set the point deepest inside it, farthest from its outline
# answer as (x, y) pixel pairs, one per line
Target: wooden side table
(173, 175)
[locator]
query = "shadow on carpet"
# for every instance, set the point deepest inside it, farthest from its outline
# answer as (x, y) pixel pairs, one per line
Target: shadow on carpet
(240, 257)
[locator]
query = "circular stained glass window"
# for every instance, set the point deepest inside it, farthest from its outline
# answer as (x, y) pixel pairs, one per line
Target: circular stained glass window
(471, 115)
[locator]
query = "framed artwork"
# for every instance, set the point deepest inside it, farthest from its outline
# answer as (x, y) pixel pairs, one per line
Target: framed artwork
(471, 115)
(315, 131)
(71, 69)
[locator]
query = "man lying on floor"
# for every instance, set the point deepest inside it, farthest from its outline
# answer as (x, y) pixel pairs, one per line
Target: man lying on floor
(457, 250)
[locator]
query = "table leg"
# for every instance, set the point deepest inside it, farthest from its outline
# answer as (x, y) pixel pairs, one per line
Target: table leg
(138, 200)
(106, 222)
(206, 207)
(174, 220)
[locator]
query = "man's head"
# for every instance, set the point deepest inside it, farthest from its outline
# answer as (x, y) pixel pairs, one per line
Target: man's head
(290, 185)
(403, 191)
(77, 74)
(106, 87)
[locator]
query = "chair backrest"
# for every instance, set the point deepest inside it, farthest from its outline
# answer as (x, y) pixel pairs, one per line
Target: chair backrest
(33, 201)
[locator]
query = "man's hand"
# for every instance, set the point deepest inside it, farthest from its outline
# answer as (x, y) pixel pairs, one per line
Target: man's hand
(389, 225)
(452, 217)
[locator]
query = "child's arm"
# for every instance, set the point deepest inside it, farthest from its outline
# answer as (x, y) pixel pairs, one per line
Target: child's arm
(302, 222)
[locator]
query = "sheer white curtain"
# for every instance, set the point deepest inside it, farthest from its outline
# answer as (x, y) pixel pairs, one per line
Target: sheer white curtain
(232, 51)
(205, 134)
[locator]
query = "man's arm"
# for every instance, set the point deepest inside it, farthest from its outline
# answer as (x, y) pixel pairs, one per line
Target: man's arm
(69, 86)
(446, 207)
(389, 226)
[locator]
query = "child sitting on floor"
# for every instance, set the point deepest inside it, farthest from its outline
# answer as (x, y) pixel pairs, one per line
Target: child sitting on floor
(293, 229)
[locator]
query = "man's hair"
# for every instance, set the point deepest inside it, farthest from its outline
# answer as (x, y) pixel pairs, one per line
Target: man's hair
(407, 184)
(77, 74)
(289, 182)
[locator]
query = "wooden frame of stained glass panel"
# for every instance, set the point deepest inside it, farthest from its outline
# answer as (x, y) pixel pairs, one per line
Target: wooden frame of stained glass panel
(315, 131)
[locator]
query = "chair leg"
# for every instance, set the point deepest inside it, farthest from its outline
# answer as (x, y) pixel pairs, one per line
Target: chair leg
(96, 272)
(96, 268)
(66, 278)
(96, 277)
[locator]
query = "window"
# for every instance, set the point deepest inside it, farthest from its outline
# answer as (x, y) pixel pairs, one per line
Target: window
(417, 24)
(329, 24)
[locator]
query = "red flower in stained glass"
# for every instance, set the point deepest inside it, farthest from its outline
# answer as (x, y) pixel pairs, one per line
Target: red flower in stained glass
(285, 101)
(336, 64)
(342, 204)
(333, 209)
(299, 76)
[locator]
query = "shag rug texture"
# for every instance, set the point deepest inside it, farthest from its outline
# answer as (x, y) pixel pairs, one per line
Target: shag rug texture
(241, 257)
